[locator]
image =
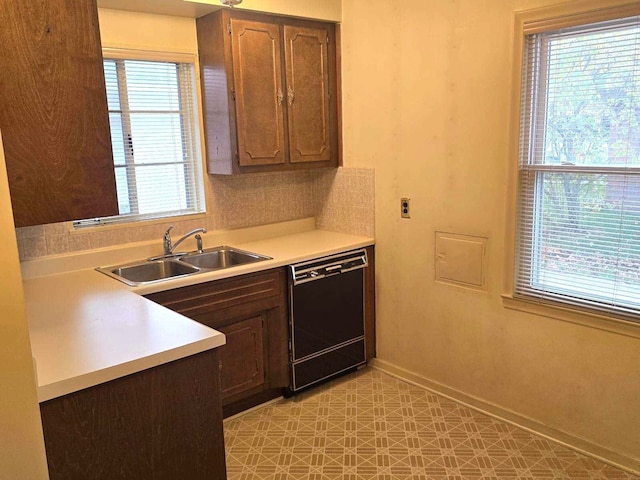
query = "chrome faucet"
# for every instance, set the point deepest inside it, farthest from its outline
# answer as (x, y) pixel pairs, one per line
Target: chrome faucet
(169, 247)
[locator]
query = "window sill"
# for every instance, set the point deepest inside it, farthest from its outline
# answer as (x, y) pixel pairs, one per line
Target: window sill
(574, 315)
(134, 223)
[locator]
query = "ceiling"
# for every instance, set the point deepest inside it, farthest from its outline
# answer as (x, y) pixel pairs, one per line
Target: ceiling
(179, 8)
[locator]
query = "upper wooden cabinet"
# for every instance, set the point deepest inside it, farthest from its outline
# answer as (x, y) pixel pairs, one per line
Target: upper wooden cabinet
(269, 92)
(53, 112)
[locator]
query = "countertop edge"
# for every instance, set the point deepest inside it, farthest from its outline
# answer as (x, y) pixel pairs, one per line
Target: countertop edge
(91, 379)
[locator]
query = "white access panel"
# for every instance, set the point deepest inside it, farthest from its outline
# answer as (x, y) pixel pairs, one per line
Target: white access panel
(460, 259)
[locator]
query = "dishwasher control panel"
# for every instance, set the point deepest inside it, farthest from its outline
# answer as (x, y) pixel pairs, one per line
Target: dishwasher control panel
(327, 266)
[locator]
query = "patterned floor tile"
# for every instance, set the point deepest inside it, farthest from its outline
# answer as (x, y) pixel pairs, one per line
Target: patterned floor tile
(369, 425)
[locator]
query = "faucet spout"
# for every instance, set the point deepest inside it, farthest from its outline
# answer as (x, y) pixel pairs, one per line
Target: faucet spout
(170, 247)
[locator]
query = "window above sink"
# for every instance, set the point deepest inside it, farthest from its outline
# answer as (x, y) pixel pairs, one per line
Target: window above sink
(153, 115)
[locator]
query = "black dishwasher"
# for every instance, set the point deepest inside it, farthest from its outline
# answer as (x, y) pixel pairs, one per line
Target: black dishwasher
(326, 298)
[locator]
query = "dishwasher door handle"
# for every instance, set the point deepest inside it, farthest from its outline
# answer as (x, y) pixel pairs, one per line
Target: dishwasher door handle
(333, 269)
(328, 266)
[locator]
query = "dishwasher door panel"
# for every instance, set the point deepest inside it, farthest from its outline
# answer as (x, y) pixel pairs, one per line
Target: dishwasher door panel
(316, 369)
(326, 313)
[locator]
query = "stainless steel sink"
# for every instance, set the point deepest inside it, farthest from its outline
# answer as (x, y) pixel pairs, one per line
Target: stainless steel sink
(221, 257)
(150, 271)
(157, 270)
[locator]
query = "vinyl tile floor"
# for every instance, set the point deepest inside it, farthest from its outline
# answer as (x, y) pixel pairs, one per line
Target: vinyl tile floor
(369, 425)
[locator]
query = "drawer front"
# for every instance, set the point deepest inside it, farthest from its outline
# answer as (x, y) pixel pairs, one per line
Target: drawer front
(221, 294)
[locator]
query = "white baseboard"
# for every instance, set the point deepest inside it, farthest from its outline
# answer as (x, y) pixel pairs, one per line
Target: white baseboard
(603, 454)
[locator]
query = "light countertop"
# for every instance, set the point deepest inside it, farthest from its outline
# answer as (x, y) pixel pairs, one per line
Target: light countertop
(87, 328)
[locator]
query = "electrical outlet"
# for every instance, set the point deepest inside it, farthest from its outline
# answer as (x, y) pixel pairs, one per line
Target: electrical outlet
(404, 208)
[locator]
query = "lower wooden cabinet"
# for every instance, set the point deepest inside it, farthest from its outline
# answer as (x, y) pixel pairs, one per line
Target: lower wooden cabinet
(251, 310)
(163, 423)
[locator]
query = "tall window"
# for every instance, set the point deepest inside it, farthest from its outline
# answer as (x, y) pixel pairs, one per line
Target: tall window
(579, 168)
(152, 113)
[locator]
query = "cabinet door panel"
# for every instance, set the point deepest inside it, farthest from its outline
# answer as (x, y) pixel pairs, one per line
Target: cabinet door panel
(307, 79)
(163, 423)
(257, 71)
(53, 112)
(242, 357)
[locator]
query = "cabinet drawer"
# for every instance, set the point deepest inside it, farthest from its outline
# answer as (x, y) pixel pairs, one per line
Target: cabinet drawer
(221, 294)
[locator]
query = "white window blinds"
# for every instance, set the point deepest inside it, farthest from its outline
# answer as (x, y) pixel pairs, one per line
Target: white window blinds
(152, 113)
(579, 169)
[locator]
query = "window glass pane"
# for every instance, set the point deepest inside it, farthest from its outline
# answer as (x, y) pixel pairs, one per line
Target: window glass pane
(589, 236)
(117, 139)
(152, 86)
(157, 138)
(151, 199)
(111, 79)
(122, 187)
(593, 98)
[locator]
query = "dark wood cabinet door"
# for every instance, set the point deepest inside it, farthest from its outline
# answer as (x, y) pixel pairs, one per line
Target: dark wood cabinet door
(53, 112)
(307, 80)
(259, 94)
(164, 423)
(242, 357)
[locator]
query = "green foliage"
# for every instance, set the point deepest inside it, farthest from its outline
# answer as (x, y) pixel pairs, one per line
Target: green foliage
(592, 101)
(600, 238)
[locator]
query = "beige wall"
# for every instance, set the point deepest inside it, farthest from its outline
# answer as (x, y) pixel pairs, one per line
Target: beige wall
(119, 29)
(21, 444)
(321, 9)
(426, 88)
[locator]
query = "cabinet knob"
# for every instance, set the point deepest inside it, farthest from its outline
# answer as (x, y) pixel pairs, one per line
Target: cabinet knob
(290, 95)
(280, 96)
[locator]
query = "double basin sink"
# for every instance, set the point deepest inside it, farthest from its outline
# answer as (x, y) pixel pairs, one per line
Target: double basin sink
(181, 265)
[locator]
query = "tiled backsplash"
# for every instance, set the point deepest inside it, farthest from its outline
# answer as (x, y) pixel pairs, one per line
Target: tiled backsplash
(345, 201)
(342, 200)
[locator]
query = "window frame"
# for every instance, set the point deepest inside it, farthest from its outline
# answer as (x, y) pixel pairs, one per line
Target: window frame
(528, 22)
(197, 170)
